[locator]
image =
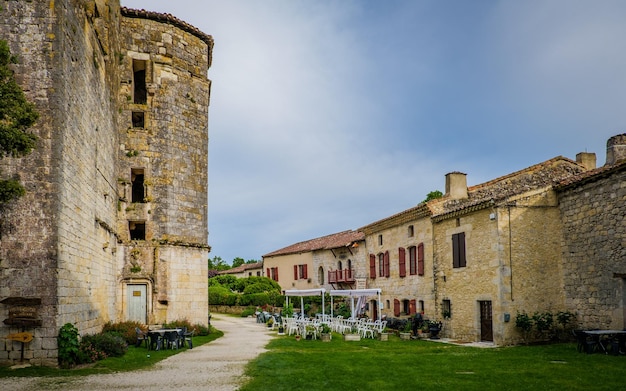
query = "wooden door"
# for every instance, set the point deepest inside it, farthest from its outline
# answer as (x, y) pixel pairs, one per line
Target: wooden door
(486, 321)
(137, 303)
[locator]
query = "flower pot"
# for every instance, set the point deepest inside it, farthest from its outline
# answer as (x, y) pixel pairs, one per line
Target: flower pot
(351, 337)
(325, 337)
(405, 336)
(434, 332)
(281, 331)
(383, 336)
(297, 337)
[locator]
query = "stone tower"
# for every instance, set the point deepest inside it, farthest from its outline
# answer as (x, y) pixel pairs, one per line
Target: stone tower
(114, 222)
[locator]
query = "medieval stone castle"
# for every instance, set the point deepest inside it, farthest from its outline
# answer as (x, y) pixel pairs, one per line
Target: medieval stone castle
(113, 225)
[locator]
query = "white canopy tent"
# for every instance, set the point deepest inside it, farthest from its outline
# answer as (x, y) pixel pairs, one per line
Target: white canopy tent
(360, 294)
(305, 292)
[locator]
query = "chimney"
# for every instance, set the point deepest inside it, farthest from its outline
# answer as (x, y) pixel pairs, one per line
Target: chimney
(615, 149)
(456, 185)
(587, 159)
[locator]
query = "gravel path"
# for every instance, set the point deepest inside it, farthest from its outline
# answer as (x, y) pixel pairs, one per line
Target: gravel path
(216, 366)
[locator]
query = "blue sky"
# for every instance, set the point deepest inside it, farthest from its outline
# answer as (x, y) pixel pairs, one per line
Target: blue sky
(329, 115)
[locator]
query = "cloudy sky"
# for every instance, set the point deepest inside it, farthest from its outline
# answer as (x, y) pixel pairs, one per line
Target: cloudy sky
(329, 115)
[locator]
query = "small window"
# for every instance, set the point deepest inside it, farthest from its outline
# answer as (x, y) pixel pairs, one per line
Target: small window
(410, 231)
(320, 275)
(421, 304)
(406, 307)
(138, 189)
(412, 260)
(138, 119)
(381, 265)
(137, 230)
(446, 309)
(380, 240)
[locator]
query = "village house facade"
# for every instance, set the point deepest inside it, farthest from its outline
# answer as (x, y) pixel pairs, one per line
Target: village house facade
(546, 238)
(113, 225)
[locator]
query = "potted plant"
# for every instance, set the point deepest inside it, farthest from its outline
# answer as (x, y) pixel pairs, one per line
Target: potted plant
(384, 335)
(325, 334)
(434, 327)
(270, 322)
(352, 335)
(405, 333)
(310, 331)
(281, 329)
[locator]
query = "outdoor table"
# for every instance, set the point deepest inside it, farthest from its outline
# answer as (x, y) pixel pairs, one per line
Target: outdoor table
(157, 336)
(604, 336)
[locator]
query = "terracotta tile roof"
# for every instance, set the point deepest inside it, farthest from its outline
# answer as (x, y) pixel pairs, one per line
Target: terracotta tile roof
(341, 239)
(242, 268)
(549, 173)
(590, 176)
(169, 19)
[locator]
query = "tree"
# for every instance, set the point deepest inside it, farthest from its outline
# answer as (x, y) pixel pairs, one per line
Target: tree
(16, 116)
(433, 195)
(217, 264)
(238, 262)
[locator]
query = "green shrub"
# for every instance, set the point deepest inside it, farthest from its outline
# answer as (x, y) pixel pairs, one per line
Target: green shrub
(248, 311)
(178, 324)
(68, 345)
(125, 329)
(88, 353)
(110, 343)
(201, 329)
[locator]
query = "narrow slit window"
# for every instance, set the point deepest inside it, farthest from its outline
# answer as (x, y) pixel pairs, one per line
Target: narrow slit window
(138, 119)
(137, 181)
(140, 93)
(137, 230)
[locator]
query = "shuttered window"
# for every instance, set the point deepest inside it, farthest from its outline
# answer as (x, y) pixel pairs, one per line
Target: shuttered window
(372, 266)
(295, 272)
(396, 307)
(412, 307)
(412, 260)
(381, 265)
(386, 258)
(420, 259)
(402, 261)
(458, 250)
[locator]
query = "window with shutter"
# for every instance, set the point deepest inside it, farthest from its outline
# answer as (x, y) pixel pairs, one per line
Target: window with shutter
(372, 266)
(412, 307)
(412, 261)
(402, 262)
(276, 273)
(268, 273)
(306, 273)
(458, 250)
(420, 259)
(386, 258)
(381, 265)
(295, 272)
(396, 307)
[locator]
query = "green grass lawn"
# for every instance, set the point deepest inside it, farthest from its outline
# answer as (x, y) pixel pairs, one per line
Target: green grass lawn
(427, 365)
(134, 359)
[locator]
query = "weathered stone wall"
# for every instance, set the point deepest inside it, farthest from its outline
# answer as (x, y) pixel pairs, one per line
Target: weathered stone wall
(55, 235)
(594, 249)
(512, 253)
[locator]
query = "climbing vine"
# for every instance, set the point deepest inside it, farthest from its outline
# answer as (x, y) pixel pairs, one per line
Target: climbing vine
(16, 116)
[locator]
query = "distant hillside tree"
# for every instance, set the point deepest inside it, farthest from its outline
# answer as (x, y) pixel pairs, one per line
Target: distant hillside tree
(16, 116)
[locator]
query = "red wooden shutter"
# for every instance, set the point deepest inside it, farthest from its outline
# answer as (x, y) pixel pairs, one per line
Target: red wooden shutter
(412, 307)
(402, 261)
(386, 258)
(276, 273)
(372, 266)
(268, 273)
(306, 273)
(420, 259)
(455, 250)
(295, 272)
(396, 307)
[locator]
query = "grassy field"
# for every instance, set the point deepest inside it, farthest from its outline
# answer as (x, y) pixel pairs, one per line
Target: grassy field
(135, 358)
(427, 365)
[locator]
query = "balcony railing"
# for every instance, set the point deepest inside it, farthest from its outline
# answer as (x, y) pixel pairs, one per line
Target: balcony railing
(337, 276)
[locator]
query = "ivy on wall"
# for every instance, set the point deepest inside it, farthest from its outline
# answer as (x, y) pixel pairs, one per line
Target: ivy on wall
(17, 115)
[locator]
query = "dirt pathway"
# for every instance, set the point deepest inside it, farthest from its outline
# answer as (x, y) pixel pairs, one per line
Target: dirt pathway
(216, 366)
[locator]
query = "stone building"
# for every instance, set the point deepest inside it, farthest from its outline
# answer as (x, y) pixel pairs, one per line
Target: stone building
(550, 237)
(330, 262)
(245, 270)
(113, 225)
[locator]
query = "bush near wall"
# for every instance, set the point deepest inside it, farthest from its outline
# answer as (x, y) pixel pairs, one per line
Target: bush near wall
(546, 326)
